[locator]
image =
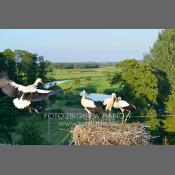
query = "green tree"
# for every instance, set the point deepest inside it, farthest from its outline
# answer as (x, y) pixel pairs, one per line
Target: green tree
(164, 88)
(30, 133)
(162, 57)
(169, 128)
(117, 78)
(152, 121)
(140, 85)
(169, 124)
(8, 63)
(31, 66)
(8, 119)
(171, 102)
(162, 54)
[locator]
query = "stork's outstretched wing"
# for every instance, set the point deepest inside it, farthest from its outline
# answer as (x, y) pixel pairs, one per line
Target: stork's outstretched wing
(40, 94)
(9, 87)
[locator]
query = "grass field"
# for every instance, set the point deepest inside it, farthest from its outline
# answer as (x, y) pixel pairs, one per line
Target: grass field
(81, 73)
(93, 80)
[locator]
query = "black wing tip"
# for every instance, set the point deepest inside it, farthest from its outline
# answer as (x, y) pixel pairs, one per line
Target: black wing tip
(96, 111)
(134, 107)
(4, 75)
(62, 91)
(67, 89)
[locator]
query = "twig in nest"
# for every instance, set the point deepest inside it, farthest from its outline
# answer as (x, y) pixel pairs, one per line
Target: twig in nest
(122, 134)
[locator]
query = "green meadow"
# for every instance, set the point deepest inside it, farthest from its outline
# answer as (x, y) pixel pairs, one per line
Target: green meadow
(93, 80)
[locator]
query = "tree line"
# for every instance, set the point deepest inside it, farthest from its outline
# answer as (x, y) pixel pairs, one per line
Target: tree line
(74, 65)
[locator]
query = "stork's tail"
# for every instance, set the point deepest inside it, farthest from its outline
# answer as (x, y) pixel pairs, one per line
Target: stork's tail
(98, 112)
(104, 106)
(20, 103)
(99, 108)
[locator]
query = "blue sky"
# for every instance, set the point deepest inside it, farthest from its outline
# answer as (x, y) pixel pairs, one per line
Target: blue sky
(81, 45)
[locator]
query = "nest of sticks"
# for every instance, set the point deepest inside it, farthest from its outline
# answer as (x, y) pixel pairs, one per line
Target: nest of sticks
(110, 134)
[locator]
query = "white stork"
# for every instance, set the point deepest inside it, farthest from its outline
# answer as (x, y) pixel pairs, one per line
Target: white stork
(90, 106)
(108, 103)
(24, 95)
(124, 106)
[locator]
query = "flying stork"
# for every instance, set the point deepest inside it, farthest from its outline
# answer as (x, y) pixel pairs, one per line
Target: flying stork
(108, 103)
(124, 106)
(90, 106)
(24, 95)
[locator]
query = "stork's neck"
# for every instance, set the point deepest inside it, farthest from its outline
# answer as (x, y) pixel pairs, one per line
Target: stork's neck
(35, 84)
(113, 99)
(84, 96)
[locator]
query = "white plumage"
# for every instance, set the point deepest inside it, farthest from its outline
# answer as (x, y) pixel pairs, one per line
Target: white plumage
(29, 88)
(20, 103)
(108, 104)
(24, 95)
(120, 103)
(124, 106)
(89, 105)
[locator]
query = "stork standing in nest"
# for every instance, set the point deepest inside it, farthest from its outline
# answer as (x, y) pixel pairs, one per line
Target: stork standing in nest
(124, 106)
(90, 106)
(108, 104)
(24, 95)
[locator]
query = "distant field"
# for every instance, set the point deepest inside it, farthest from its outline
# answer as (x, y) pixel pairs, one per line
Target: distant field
(93, 80)
(81, 73)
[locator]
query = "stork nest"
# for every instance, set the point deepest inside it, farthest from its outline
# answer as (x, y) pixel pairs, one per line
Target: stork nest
(110, 134)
